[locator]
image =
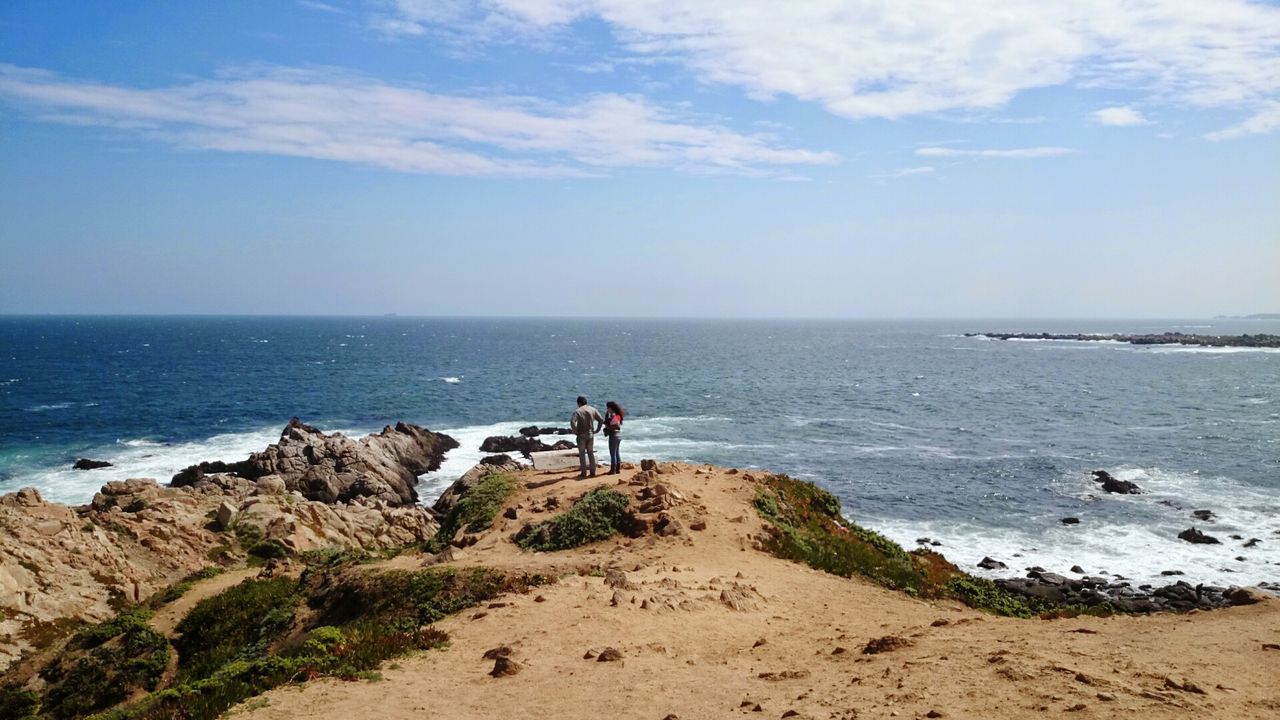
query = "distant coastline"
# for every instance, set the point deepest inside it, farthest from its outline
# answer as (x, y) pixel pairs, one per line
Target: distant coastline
(1254, 316)
(1261, 340)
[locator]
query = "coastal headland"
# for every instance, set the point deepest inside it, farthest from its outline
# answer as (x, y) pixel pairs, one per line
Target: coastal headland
(667, 591)
(1260, 340)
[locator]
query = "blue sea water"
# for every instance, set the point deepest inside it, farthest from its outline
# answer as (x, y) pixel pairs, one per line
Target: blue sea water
(983, 445)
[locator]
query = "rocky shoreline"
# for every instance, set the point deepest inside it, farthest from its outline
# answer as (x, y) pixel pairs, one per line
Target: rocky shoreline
(1261, 340)
(62, 565)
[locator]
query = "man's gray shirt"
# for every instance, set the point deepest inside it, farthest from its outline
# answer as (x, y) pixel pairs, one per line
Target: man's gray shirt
(584, 421)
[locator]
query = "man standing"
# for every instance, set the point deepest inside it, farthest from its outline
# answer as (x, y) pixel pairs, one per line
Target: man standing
(585, 423)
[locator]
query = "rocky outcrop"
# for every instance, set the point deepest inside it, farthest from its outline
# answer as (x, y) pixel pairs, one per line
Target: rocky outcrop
(1115, 485)
(87, 464)
(521, 444)
(1196, 537)
(489, 466)
(534, 431)
(60, 565)
(1260, 340)
(335, 468)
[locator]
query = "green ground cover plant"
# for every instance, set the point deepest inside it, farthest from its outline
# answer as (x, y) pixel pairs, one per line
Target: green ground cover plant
(341, 619)
(474, 512)
(806, 525)
(597, 515)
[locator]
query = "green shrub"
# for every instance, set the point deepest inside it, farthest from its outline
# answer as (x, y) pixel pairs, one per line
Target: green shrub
(595, 516)
(183, 586)
(984, 594)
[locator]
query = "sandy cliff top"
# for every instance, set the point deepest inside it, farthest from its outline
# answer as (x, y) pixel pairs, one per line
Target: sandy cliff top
(709, 626)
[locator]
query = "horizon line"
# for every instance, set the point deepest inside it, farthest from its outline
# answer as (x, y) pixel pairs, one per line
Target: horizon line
(392, 316)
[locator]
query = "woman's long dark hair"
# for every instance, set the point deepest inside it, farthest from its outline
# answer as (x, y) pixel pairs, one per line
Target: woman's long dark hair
(615, 407)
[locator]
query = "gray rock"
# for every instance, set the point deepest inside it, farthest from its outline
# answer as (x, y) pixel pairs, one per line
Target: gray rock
(335, 468)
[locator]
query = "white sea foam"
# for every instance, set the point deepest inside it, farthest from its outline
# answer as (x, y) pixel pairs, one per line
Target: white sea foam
(50, 406)
(140, 458)
(1170, 349)
(1139, 549)
(1139, 552)
(465, 456)
(452, 380)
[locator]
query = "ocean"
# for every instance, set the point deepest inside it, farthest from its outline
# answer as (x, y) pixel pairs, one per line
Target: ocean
(983, 445)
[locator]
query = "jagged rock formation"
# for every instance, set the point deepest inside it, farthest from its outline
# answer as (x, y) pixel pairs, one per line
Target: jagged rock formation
(336, 468)
(62, 565)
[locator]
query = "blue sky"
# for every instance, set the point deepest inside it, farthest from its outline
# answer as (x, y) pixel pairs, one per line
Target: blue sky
(641, 157)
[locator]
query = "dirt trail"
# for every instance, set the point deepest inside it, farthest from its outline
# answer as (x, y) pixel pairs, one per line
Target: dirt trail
(708, 627)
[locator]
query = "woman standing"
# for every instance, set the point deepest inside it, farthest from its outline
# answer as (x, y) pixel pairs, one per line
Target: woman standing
(613, 414)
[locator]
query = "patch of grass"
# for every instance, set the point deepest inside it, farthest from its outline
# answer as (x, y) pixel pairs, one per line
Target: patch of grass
(474, 512)
(183, 586)
(806, 526)
(103, 665)
(18, 704)
(595, 516)
(94, 635)
(411, 598)
(360, 619)
(253, 542)
(984, 594)
(40, 634)
(237, 624)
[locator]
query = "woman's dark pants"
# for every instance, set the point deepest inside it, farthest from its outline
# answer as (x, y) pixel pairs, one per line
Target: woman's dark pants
(615, 459)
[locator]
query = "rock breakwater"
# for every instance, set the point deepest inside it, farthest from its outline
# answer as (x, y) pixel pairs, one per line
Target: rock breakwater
(1261, 340)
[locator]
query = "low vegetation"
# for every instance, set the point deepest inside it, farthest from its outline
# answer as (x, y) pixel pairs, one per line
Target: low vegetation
(806, 526)
(103, 665)
(597, 515)
(256, 545)
(474, 512)
(183, 586)
(340, 619)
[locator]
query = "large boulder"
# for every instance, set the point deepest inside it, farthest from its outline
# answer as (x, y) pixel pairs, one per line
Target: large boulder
(336, 468)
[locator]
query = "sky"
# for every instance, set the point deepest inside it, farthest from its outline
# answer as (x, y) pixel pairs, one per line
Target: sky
(722, 158)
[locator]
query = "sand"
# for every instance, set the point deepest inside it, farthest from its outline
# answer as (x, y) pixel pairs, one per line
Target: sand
(792, 648)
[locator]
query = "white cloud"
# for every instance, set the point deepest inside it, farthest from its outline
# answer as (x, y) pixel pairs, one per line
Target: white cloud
(868, 58)
(907, 172)
(329, 115)
(321, 7)
(1123, 116)
(1012, 153)
(1266, 120)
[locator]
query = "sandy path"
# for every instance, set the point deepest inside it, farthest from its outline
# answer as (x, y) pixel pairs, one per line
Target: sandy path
(690, 655)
